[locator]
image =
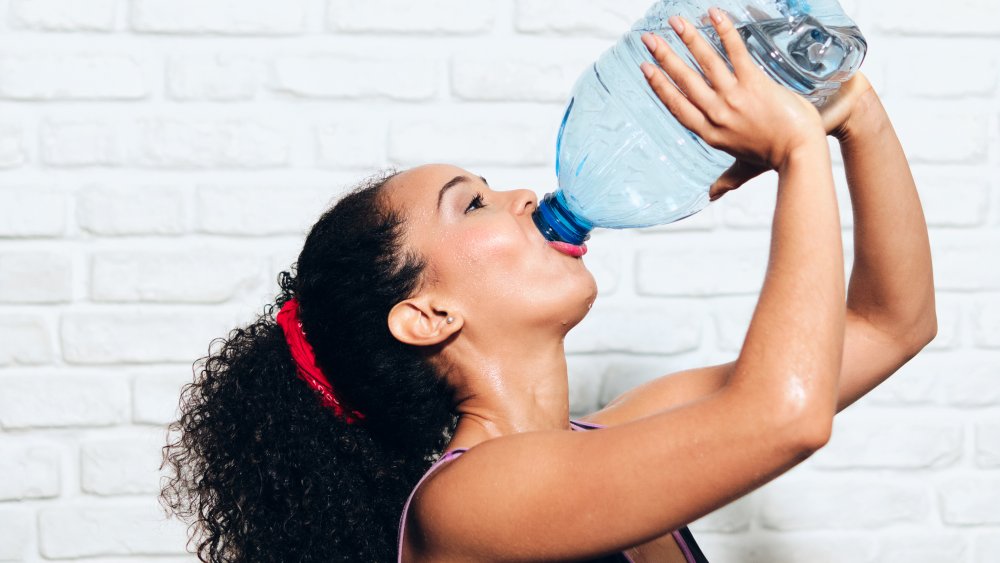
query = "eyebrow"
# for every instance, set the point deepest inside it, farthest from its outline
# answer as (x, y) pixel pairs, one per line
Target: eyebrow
(454, 182)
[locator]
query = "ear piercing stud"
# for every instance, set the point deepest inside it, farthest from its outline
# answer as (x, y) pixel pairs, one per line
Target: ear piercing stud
(450, 320)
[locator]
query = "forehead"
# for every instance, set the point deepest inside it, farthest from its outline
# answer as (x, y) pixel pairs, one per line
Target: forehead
(418, 187)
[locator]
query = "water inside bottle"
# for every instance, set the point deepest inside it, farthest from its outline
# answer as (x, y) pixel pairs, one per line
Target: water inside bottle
(624, 161)
(807, 56)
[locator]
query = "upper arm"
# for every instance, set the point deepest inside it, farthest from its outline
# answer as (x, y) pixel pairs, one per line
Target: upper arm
(871, 355)
(662, 393)
(675, 449)
(560, 495)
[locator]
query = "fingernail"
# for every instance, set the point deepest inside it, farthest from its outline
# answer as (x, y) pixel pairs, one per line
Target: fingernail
(677, 23)
(647, 39)
(716, 14)
(647, 70)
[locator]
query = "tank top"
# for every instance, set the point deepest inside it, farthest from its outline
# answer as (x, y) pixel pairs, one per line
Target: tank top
(692, 553)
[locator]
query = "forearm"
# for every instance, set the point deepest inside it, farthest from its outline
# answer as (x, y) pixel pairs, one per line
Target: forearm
(891, 284)
(795, 339)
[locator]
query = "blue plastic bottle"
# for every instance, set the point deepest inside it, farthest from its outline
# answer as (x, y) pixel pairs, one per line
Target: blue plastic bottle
(623, 160)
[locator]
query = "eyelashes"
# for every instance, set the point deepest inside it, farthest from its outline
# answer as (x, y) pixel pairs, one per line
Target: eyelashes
(476, 203)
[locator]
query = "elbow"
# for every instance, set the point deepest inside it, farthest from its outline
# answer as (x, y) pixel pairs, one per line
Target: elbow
(794, 419)
(912, 334)
(804, 426)
(812, 434)
(929, 332)
(921, 333)
(926, 327)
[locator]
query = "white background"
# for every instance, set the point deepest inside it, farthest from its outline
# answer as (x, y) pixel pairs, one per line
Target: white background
(160, 161)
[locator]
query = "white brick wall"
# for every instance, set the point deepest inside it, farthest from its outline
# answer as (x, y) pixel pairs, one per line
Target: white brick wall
(160, 161)
(59, 15)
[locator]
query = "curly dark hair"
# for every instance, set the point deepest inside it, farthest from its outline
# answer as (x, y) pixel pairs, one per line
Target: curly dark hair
(259, 467)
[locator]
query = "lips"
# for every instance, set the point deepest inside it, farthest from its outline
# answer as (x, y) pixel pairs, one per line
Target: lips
(568, 249)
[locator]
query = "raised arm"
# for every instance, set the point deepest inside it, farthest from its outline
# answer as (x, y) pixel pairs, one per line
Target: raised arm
(890, 298)
(557, 495)
(890, 311)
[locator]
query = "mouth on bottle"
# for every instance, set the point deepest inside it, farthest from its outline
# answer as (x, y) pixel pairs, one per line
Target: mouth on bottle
(557, 223)
(573, 250)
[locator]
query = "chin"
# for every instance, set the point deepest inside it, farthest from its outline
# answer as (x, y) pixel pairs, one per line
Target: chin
(578, 299)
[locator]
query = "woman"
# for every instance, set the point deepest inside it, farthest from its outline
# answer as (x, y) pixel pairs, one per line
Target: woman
(427, 315)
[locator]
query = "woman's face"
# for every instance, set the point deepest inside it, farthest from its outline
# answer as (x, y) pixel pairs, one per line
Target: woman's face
(486, 260)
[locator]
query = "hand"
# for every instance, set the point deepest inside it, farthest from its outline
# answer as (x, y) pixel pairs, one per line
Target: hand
(742, 111)
(842, 107)
(837, 115)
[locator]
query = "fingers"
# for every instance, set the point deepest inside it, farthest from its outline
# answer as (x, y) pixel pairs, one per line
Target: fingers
(735, 176)
(736, 49)
(708, 59)
(687, 79)
(678, 104)
(686, 93)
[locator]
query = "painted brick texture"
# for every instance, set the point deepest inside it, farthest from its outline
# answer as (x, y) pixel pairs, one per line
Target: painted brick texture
(162, 160)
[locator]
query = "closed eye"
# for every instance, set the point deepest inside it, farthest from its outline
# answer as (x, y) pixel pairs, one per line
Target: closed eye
(476, 203)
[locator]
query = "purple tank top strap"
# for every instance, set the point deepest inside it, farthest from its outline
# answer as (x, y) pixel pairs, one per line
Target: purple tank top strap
(583, 425)
(445, 457)
(684, 546)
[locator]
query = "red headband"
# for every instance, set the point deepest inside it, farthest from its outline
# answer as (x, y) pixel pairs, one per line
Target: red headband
(305, 361)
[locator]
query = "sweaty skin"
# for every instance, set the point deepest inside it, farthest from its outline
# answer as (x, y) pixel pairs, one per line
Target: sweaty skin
(688, 443)
(512, 298)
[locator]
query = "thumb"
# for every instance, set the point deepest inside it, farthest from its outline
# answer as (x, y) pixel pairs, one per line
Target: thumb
(735, 176)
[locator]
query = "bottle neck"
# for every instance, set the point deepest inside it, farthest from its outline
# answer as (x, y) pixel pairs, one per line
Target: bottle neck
(557, 223)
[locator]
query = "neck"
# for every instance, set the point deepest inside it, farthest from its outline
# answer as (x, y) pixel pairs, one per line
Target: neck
(517, 386)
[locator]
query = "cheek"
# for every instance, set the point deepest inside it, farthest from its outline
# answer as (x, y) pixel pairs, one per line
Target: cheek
(481, 250)
(495, 270)
(485, 265)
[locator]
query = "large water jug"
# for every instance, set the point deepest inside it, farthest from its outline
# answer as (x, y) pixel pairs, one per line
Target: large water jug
(623, 160)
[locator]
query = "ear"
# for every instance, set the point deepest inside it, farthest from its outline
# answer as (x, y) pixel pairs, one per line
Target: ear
(415, 321)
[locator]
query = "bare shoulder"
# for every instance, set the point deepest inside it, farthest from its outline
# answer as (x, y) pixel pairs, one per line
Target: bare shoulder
(534, 495)
(424, 509)
(663, 393)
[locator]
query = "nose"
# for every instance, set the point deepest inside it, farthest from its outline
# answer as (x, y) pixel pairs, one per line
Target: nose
(523, 202)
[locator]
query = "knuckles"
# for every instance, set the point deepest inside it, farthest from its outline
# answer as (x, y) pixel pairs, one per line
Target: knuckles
(720, 116)
(737, 101)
